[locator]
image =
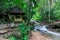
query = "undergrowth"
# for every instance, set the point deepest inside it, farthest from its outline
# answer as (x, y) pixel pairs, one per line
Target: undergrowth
(24, 32)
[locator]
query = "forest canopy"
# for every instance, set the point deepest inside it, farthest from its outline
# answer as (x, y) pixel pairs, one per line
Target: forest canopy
(41, 10)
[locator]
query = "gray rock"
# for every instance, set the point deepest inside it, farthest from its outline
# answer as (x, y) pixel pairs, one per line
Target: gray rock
(3, 31)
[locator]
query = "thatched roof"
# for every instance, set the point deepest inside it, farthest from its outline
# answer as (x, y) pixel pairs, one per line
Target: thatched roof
(14, 10)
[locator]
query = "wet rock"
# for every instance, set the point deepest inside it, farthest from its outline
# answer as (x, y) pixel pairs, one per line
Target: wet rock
(15, 33)
(2, 26)
(3, 31)
(1, 38)
(10, 25)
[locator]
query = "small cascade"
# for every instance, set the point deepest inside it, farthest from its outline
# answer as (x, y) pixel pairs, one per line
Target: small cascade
(43, 28)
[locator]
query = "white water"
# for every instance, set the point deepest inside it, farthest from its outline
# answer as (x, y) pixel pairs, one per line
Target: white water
(43, 29)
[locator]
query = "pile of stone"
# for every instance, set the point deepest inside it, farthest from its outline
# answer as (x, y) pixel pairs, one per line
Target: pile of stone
(8, 29)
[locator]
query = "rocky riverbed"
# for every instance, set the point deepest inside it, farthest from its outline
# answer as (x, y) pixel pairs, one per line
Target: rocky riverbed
(37, 35)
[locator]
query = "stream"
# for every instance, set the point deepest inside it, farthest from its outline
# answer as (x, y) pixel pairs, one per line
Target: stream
(43, 29)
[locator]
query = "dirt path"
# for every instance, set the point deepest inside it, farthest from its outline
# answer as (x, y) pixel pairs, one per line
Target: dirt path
(39, 36)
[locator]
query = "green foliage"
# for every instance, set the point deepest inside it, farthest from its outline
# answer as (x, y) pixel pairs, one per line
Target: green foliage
(32, 12)
(24, 30)
(42, 9)
(12, 38)
(6, 4)
(57, 10)
(37, 16)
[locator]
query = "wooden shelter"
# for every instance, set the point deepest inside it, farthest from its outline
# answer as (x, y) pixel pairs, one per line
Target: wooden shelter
(15, 13)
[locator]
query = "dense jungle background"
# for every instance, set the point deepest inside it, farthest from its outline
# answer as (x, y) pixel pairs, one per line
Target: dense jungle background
(42, 11)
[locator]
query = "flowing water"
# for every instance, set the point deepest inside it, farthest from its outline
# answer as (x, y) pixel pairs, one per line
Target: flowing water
(43, 29)
(51, 34)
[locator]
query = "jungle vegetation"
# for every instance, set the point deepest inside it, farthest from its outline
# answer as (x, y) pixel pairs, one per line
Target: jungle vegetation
(39, 10)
